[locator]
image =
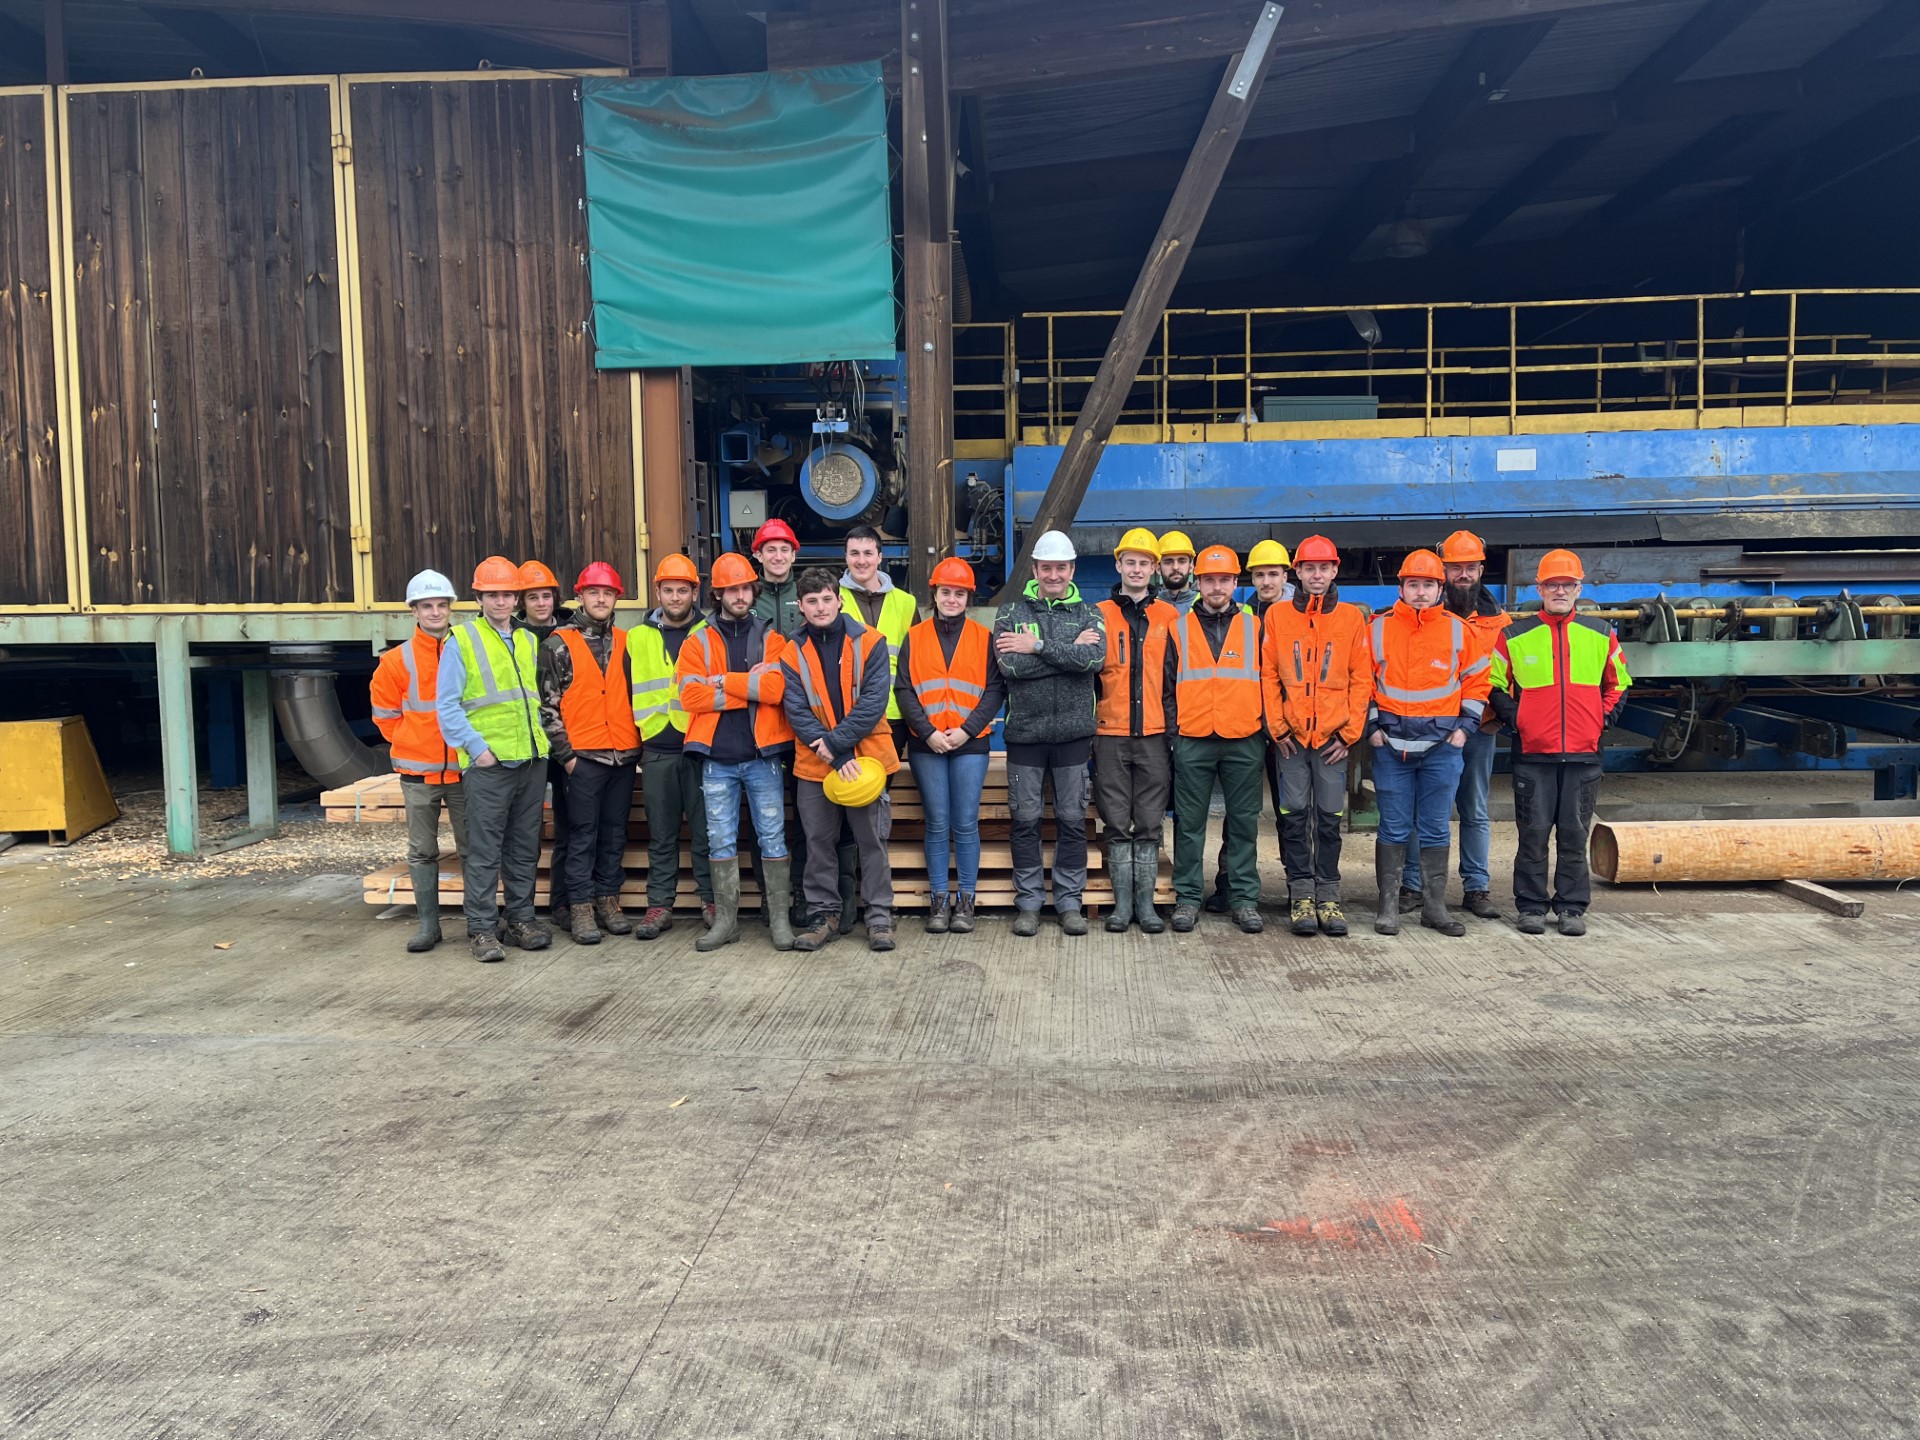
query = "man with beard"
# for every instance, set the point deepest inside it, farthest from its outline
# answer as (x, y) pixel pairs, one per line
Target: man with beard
(1176, 570)
(541, 613)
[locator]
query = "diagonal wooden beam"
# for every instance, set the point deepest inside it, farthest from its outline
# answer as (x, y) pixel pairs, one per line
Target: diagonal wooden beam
(229, 50)
(1483, 66)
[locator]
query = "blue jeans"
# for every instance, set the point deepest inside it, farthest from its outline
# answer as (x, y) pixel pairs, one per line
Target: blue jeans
(765, 787)
(950, 787)
(1416, 795)
(1476, 825)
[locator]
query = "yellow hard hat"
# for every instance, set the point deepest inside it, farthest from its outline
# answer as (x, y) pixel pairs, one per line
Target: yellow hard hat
(1139, 539)
(856, 794)
(1268, 552)
(1175, 542)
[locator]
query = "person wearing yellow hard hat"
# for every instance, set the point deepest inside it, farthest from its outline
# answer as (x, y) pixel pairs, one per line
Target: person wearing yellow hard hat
(489, 707)
(1267, 566)
(1132, 765)
(1176, 570)
(671, 783)
(1557, 677)
(838, 682)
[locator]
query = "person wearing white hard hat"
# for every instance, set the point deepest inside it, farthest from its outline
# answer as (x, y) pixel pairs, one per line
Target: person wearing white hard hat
(1050, 644)
(404, 688)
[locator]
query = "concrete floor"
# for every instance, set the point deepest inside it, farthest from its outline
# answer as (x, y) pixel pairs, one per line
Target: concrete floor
(1659, 1181)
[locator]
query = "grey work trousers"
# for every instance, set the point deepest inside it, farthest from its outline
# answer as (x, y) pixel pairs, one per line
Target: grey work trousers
(503, 832)
(871, 824)
(1313, 801)
(670, 783)
(1025, 798)
(423, 819)
(1132, 782)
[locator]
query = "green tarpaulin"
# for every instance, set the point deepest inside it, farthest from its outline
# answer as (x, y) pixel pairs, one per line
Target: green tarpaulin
(740, 219)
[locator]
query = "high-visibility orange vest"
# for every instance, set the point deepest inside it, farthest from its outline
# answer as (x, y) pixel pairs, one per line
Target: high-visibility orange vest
(405, 686)
(598, 706)
(947, 691)
(1219, 695)
(860, 642)
(1427, 663)
(1113, 715)
(707, 688)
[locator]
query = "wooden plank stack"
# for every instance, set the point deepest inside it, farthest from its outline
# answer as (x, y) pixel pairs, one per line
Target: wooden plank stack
(375, 800)
(912, 886)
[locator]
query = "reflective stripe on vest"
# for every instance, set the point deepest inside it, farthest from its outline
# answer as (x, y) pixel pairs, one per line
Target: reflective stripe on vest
(1248, 669)
(1433, 692)
(947, 698)
(656, 697)
(505, 716)
(594, 710)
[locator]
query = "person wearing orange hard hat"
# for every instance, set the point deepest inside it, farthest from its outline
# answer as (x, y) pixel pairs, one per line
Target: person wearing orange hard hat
(540, 607)
(540, 611)
(1221, 739)
(949, 691)
(586, 708)
(670, 778)
(1429, 691)
(1464, 556)
(731, 685)
(488, 702)
(1557, 678)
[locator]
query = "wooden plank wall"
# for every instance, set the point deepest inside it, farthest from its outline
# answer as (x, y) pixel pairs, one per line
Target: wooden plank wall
(213, 391)
(488, 427)
(33, 560)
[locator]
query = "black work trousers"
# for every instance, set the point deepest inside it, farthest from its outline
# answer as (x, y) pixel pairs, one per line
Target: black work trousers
(557, 871)
(1311, 805)
(1557, 797)
(599, 798)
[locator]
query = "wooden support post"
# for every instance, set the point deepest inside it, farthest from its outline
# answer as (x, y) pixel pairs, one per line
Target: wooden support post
(263, 775)
(55, 30)
(179, 774)
(926, 188)
(1139, 322)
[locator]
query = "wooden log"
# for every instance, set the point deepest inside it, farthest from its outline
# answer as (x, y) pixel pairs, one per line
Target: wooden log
(1753, 851)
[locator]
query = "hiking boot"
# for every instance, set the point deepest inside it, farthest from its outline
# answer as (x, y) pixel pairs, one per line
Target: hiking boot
(560, 915)
(1073, 922)
(726, 898)
(1388, 862)
(1120, 872)
(1479, 903)
(879, 935)
(585, 932)
(822, 930)
(526, 935)
(938, 922)
(486, 947)
(1146, 876)
(1247, 917)
(609, 916)
(1333, 920)
(1026, 923)
(1433, 894)
(1532, 924)
(963, 915)
(1572, 924)
(1217, 903)
(1186, 915)
(1301, 918)
(426, 907)
(1409, 900)
(650, 925)
(777, 899)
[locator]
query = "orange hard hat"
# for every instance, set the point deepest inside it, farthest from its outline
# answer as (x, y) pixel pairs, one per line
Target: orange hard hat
(1217, 560)
(1559, 565)
(677, 567)
(600, 573)
(730, 570)
(496, 572)
(955, 572)
(1423, 565)
(1316, 547)
(535, 576)
(1463, 547)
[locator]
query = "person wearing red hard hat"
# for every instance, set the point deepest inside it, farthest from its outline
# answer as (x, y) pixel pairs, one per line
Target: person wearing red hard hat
(775, 547)
(586, 708)
(949, 691)
(1429, 690)
(1557, 678)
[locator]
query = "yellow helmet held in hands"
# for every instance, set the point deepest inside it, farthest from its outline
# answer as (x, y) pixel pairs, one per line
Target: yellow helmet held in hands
(856, 794)
(1268, 552)
(1140, 540)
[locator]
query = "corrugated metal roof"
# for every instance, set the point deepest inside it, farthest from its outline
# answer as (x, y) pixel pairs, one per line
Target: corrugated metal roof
(1783, 34)
(1596, 50)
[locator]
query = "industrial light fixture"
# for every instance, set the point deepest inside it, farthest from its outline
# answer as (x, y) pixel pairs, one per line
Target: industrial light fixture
(1407, 240)
(1366, 325)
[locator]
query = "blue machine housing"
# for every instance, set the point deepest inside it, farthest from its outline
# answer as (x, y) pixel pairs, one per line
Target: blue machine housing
(869, 481)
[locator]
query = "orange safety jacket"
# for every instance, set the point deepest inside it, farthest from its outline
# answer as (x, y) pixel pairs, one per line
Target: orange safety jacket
(1316, 667)
(708, 687)
(948, 693)
(405, 687)
(1124, 670)
(1430, 676)
(859, 643)
(1219, 695)
(597, 708)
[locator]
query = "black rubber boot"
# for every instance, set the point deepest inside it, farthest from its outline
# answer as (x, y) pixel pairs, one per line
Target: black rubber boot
(1146, 879)
(849, 888)
(1433, 891)
(426, 907)
(1120, 872)
(1388, 862)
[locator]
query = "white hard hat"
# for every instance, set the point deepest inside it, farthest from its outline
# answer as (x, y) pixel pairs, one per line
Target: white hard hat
(1053, 545)
(430, 585)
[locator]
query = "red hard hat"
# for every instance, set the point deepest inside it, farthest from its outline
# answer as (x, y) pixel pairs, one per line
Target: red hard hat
(955, 572)
(1463, 547)
(496, 572)
(730, 570)
(535, 576)
(1423, 565)
(775, 529)
(600, 573)
(1316, 547)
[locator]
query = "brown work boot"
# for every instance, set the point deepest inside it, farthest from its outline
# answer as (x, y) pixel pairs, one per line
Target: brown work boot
(581, 925)
(526, 935)
(650, 925)
(880, 935)
(486, 947)
(822, 930)
(606, 910)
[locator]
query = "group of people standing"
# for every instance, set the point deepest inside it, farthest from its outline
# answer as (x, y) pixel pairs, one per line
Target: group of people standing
(801, 693)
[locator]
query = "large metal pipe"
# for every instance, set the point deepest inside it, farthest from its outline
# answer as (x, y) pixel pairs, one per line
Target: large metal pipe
(1746, 851)
(307, 705)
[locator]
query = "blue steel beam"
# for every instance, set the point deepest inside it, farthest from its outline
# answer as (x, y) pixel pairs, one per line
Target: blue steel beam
(1883, 714)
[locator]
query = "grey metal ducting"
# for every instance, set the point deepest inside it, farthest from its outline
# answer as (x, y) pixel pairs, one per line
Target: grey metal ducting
(307, 705)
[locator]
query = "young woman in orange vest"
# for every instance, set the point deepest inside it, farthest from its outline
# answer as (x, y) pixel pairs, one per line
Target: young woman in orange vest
(949, 691)
(586, 708)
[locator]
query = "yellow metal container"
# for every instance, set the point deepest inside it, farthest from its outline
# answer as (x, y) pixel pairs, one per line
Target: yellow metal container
(50, 779)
